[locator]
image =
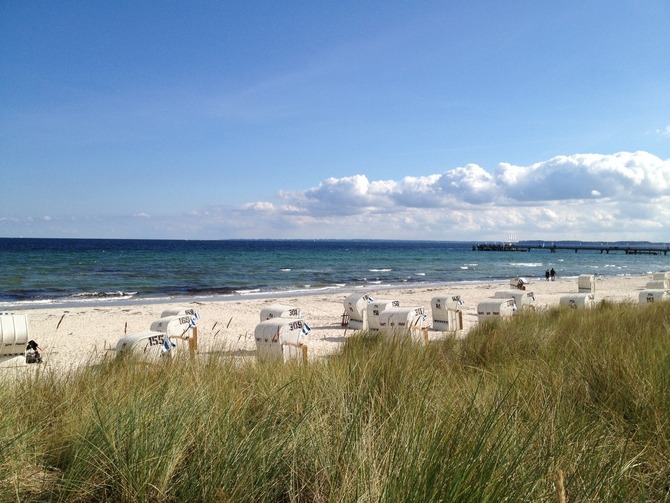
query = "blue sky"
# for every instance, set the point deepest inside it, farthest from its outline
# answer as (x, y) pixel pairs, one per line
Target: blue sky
(401, 120)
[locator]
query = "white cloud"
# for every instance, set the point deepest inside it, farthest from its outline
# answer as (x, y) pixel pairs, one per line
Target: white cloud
(637, 176)
(630, 176)
(260, 206)
(578, 196)
(471, 183)
(344, 196)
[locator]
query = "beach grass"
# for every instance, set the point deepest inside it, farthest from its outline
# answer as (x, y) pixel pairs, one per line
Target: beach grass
(559, 405)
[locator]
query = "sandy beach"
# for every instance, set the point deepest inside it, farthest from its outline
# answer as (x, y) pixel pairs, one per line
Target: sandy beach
(74, 336)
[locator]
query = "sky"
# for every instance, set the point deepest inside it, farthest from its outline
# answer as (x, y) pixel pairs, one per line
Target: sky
(458, 121)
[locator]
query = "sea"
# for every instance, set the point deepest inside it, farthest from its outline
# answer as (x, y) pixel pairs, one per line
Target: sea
(53, 272)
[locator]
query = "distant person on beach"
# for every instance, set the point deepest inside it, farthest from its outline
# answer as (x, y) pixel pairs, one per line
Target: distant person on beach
(552, 274)
(546, 274)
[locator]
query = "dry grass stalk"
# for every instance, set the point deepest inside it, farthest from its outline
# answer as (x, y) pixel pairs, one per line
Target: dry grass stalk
(560, 486)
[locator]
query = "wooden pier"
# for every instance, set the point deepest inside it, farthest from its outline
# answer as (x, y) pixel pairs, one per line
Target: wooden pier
(661, 249)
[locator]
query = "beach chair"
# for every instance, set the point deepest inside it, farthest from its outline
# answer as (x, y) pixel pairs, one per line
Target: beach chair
(355, 314)
(14, 337)
(151, 344)
(519, 283)
(447, 313)
(657, 295)
(489, 309)
(578, 301)
(404, 322)
(586, 283)
(375, 309)
(523, 299)
(281, 339)
(159, 341)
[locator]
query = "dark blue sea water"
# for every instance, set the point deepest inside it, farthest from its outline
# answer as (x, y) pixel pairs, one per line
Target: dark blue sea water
(55, 271)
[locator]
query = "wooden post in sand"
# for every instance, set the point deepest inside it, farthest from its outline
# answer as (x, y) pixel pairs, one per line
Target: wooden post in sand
(193, 343)
(301, 347)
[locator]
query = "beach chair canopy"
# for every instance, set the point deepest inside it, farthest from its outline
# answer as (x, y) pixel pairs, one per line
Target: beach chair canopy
(151, 345)
(280, 311)
(658, 284)
(522, 298)
(578, 301)
(586, 283)
(495, 308)
(649, 296)
(174, 326)
(402, 320)
(376, 308)
(14, 334)
(180, 311)
(446, 302)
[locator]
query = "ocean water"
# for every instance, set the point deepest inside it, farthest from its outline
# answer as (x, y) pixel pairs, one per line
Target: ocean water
(78, 271)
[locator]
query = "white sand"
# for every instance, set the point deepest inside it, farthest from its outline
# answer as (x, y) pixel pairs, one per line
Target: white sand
(86, 334)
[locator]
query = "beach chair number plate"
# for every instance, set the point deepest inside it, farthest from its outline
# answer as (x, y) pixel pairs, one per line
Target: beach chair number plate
(156, 339)
(296, 325)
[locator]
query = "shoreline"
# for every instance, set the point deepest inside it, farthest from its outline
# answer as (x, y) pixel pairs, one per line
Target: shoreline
(75, 335)
(110, 301)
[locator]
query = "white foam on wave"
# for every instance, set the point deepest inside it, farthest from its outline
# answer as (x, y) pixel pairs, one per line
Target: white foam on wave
(380, 270)
(527, 264)
(82, 300)
(248, 292)
(84, 296)
(40, 302)
(335, 286)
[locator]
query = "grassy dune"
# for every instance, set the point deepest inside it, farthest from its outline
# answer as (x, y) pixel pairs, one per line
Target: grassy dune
(562, 405)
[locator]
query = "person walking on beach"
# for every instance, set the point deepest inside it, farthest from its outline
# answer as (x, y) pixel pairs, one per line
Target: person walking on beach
(546, 274)
(552, 274)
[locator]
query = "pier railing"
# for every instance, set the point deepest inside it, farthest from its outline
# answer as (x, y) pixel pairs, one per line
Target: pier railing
(661, 249)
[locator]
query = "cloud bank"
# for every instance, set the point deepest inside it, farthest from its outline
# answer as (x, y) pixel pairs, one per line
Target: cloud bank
(583, 196)
(623, 196)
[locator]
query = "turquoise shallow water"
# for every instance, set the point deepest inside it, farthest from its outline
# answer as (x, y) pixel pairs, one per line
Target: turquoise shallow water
(48, 271)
